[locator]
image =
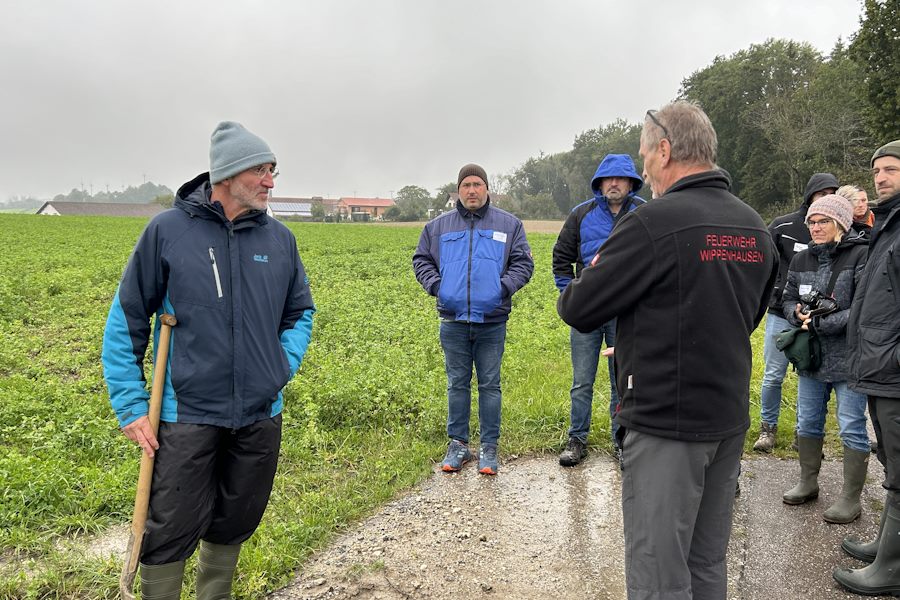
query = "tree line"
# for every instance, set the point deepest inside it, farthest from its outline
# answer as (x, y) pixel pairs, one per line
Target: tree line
(781, 109)
(143, 194)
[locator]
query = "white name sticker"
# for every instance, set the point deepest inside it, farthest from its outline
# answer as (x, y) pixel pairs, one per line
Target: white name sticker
(804, 289)
(798, 247)
(630, 382)
(500, 237)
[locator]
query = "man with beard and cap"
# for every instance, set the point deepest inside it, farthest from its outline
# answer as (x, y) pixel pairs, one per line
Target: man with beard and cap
(587, 227)
(791, 236)
(233, 279)
(473, 259)
(873, 336)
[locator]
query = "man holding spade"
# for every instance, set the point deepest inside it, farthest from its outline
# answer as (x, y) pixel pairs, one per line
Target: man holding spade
(232, 278)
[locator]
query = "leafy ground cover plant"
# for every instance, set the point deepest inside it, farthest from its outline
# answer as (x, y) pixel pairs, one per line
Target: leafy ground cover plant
(363, 420)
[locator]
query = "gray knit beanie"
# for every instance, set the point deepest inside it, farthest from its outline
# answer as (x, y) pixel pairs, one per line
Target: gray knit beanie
(472, 169)
(889, 149)
(834, 206)
(233, 149)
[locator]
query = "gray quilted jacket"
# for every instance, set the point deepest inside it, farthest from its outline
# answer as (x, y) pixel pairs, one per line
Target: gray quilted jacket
(811, 270)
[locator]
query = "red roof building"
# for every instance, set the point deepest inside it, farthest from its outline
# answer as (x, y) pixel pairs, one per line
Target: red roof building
(374, 207)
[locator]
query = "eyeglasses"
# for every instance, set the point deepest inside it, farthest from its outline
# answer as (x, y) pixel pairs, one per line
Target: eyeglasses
(262, 170)
(820, 223)
(650, 114)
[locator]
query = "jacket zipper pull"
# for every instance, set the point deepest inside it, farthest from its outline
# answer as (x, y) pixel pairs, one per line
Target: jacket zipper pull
(215, 269)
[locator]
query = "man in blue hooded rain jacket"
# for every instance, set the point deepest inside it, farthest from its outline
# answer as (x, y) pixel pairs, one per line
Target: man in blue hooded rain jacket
(587, 227)
(473, 259)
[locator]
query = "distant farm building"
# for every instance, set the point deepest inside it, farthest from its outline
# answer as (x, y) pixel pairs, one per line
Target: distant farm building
(363, 209)
(100, 209)
(329, 205)
(280, 208)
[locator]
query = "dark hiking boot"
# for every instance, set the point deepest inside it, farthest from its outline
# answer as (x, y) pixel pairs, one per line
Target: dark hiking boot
(766, 441)
(864, 551)
(457, 455)
(162, 582)
(810, 463)
(847, 509)
(215, 570)
(882, 577)
(573, 454)
(487, 459)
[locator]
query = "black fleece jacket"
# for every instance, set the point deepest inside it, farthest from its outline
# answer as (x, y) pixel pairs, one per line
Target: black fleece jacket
(688, 275)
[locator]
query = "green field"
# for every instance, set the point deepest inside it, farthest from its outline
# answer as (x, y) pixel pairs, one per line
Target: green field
(364, 418)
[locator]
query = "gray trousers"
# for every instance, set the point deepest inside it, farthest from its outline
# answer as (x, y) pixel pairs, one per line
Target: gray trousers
(677, 501)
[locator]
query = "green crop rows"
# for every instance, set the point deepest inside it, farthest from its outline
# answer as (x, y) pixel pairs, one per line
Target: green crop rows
(364, 418)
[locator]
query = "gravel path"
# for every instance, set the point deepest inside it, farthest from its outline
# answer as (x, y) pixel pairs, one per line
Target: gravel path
(539, 531)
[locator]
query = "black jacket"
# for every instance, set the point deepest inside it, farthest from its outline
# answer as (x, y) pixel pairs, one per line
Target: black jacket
(688, 275)
(791, 235)
(873, 332)
(811, 270)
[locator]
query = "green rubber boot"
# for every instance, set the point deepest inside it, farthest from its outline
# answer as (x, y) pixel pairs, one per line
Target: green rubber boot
(810, 450)
(215, 570)
(847, 509)
(865, 551)
(162, 582)
(882, 577)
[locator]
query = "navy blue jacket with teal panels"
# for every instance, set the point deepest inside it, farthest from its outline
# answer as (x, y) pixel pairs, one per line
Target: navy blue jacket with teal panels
(244, 309)
(589, 224)
(473, 262)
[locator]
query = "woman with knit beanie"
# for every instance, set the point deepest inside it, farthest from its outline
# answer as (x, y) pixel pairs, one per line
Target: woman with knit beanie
(835, 254)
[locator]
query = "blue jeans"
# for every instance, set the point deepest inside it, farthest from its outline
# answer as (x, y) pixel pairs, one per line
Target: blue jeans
(465, 345)
(812, 407)
(585, 358)
(775, 370)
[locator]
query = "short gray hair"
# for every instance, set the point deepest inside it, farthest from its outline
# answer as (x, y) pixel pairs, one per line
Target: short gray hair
(688, 129)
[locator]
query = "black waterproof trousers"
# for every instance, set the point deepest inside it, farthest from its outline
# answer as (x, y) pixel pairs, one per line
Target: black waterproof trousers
(885, 414)
(210, 483)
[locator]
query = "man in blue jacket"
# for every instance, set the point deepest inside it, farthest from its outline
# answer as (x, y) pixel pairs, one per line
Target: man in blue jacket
(473, 259)
(232, 277)
(615, 184)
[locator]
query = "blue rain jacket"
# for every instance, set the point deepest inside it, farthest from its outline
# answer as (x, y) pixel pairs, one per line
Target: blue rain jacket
(590, 223)
(244, 310)
(473, 262)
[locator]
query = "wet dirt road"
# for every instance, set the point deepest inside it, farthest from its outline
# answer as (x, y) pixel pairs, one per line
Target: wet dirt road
(538, 530)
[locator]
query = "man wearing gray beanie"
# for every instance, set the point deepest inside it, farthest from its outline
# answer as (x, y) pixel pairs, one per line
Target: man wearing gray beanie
(233, 279)
(873, 337)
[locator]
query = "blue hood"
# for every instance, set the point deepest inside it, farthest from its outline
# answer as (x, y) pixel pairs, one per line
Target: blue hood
(616, 165)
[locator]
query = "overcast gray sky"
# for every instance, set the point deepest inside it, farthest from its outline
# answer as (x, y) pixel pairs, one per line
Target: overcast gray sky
(355, 97)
